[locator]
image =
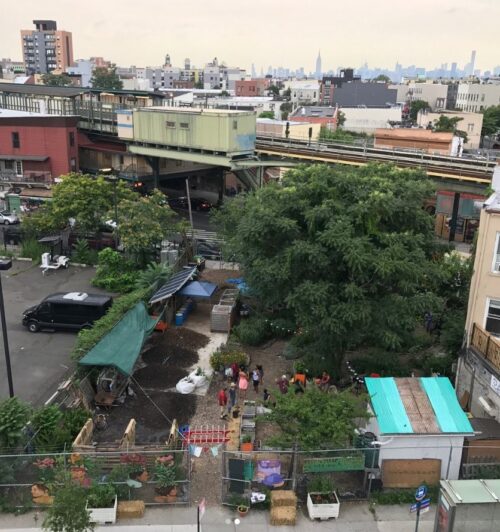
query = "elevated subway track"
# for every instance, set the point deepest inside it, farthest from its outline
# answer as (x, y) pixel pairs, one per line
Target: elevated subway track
(475, 171)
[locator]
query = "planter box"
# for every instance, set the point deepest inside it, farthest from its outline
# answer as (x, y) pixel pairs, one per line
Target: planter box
(323, 511)
(104, 516)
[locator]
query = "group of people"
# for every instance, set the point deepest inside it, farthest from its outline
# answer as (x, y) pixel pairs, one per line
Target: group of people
(239, 378)
(299, 383)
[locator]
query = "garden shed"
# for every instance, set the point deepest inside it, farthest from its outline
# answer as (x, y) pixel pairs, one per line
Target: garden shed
(419, 427)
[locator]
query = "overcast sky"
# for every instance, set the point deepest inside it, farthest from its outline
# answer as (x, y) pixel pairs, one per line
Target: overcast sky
(267, 32)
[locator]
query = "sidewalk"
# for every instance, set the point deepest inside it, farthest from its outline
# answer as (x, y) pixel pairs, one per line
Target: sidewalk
(354, 517)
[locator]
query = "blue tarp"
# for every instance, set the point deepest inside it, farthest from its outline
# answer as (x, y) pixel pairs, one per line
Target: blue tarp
(198, 289)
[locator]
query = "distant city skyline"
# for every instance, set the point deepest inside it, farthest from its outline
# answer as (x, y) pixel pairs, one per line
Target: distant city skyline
(380, 34)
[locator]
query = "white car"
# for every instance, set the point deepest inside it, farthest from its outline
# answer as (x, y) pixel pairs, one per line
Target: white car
(8, 218)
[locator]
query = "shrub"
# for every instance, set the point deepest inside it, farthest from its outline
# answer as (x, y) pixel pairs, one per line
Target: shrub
(82, 253)
(320, 484)
(222, 359)
(32, 249)
(281, 327)
(253, 331)
(46, 421)
(87, 338)
(114, 272)
(154, 276)
(101, 496)
(14, 415)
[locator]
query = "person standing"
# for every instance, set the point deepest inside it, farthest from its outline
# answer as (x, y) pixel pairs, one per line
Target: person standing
(222, 398)
(243, 384)
(256, 379)
(232, 397)
(236, 370)
(283, 384)
(261, 371)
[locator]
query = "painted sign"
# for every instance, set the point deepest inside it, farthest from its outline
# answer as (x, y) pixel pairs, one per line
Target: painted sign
(420, 493)
(337, 463)
(495, 384)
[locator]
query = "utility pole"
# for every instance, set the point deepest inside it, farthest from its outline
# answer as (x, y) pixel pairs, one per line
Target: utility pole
(189, 204)
(6, 265)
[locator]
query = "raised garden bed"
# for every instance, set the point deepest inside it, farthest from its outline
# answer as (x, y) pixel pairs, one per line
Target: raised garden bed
(323, 505)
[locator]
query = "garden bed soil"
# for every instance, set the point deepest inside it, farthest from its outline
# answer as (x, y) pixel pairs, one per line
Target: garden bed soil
(219, 277)
(179, 343)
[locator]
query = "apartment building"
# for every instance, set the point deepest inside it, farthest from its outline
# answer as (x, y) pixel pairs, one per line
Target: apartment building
(474, 97)
(251, 87)
(435, 94)
(478, 372)
(470, 123)
(369, 119)
(46, 48)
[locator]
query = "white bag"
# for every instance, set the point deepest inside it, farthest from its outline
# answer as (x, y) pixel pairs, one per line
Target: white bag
(198, 380)
(185, 386)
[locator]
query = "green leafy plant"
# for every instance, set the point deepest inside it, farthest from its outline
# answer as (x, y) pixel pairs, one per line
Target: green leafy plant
(45, 421)
(101, 496)
(220, 358)
(164, 475)
(68, 513)
(14, 415)
(74, 419)
(32, 249)
(154, 276)
(82, 252)
(118, 476)
(253, 331)
(320, 484)
(114, 272)
(246, 438)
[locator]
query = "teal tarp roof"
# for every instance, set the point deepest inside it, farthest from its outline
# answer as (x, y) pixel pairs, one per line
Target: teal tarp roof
(121, 347)
(449, 414)
(393, 418)
(198, 289)
(387, 406)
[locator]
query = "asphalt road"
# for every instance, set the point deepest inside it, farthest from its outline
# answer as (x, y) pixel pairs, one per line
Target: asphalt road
(39, 361)
(201, 220)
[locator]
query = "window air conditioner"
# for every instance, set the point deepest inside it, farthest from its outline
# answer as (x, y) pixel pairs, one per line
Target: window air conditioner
(488, 405)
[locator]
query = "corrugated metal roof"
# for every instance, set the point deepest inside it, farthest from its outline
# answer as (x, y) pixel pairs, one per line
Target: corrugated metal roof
(387, 406)
(176, 282)
(450, 417)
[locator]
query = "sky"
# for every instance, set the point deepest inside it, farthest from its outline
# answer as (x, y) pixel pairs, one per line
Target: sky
(285, 33)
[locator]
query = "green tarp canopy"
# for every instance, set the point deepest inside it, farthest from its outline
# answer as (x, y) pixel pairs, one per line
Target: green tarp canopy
(120, 348)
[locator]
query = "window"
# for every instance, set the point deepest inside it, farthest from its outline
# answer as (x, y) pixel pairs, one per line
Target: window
(170, 124)
(71, 138)
(184, 125)
(470, 128)
(16, 143)
(235, 124)
(493, 317)
(19, 168)
(73, 164)
(496, 255)
(8, 165)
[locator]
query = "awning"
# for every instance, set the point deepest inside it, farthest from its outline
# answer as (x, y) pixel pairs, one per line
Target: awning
(198, 289)
(171, 287)
(37, 158)
(121, 347)
(36, 193)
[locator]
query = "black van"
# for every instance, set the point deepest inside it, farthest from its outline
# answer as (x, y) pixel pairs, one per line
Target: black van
(66, 310)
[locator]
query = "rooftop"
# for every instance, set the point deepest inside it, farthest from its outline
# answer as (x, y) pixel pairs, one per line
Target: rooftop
(417, 406)
(193, 110)
(472, 491)
(413, 133)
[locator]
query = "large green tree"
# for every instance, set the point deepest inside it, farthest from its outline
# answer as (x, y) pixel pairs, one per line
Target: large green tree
(106, 79)
(56, 80)
(349, 253)
(416, 106)
(81, 198)
(450, 124)
(491, 121)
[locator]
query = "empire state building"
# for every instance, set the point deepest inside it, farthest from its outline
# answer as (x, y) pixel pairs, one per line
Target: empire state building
(318, 66)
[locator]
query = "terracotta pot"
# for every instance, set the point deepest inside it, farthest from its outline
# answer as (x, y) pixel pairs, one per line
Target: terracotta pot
(243, 510)
(141, 477)
(246, 447)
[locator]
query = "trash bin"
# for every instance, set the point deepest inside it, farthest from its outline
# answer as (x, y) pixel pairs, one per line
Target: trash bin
(179, 318)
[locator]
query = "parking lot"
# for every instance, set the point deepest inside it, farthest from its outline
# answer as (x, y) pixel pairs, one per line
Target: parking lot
(39, 361)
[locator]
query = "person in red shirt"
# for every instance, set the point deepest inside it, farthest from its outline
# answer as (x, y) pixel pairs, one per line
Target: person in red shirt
(222, 398)
(325, 381)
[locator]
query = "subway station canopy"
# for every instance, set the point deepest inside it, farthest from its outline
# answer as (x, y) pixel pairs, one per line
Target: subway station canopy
(121, 347)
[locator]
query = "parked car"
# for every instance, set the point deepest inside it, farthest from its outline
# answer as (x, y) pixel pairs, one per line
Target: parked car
(66, 310)
(197, 204)
(8, 218)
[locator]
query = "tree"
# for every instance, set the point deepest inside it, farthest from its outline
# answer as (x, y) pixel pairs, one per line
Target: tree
(416, 106)
(68, 513)
(382, 77)
(349, 253)
(274, 90)
(286, 108)
(143, 222)
(82, 198)
(225, 94)
(57, 80)
(316, 418)
(198, 84)
(106, 79)
(491, 121)
(340, 118)
(449, 124)
(267, 114)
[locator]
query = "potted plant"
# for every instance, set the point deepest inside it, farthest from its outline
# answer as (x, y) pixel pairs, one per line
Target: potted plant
(137, 466)
(164, 476)
(246, 443)
(322, 500)
(102, 503)
(243, 510)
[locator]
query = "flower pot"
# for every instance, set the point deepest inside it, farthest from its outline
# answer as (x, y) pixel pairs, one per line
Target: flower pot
(104, 516)
(243, 510)
(246, 447)
(323, 510)
(141, 476)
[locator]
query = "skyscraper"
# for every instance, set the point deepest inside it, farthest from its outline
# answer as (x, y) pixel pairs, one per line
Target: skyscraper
(472, 62)
(46, 48)
(318, 66)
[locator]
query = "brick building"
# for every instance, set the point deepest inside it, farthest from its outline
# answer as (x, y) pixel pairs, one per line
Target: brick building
(252, 87)
(35, 149)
